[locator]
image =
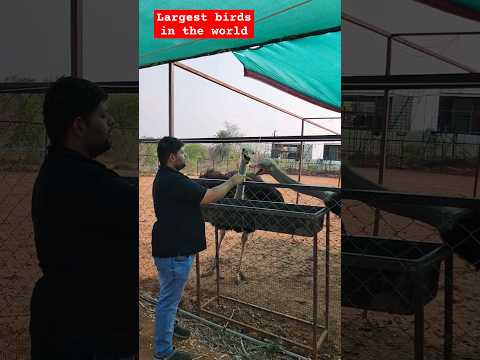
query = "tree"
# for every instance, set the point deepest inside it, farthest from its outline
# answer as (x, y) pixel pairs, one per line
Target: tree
(196, 152)
(225, 151)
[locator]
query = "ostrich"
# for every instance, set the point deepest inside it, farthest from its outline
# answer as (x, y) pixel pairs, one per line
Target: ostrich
(332, 199)
(459, 228)
(252, 192)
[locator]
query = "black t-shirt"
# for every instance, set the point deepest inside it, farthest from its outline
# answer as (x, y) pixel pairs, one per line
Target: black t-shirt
(85, 219)
(179, 229)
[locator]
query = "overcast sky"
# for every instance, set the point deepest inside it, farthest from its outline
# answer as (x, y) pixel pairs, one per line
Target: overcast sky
(202, 107)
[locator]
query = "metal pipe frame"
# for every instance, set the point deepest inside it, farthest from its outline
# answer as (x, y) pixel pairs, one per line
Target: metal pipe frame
(248, 95)
(446, 33)
(396, 82)
(171, 100)
(385, 196)
(317, 338)
(405, 42)
(76, 38)
(251, 139)
(300, 167)
(112, 87)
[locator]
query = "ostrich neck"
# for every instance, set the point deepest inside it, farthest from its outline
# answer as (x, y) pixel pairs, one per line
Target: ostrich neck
(283, 178)
(242, 171)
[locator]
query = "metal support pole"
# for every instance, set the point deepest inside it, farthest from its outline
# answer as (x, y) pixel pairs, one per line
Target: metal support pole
(171, 100)
(477, 171)
(315, 296)
(199, 299)
(383, 144)
(327, 273)
(419, 317)
(76, 38)
(448, 308)
(300, 167)
(217, 264)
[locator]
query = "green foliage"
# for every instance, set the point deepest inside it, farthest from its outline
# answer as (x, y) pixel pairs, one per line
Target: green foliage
(196, 152)
(225, 151)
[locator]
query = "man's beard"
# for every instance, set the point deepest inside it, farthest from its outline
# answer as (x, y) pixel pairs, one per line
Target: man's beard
(179, 166)
(100, 148)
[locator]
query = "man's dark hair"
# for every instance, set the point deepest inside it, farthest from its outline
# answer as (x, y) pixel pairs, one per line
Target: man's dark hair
(166, 146)
(66, 99)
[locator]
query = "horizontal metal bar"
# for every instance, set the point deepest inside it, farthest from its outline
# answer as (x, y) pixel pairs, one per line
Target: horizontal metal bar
(20, 122)
(386, 196)
(39, 87)
(271, 311)
(323, 118)
(443, 33)
(273, 185)
(410, 198)
(431, 81)
(235, 333)
(309, 348)
(248, 139)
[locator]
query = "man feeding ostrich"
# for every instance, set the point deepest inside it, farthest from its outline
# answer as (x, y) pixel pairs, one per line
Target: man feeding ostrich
(252, 192)
(177, 235)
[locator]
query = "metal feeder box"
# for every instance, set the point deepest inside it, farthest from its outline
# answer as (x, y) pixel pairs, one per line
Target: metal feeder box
(251, 215)
(389, 275)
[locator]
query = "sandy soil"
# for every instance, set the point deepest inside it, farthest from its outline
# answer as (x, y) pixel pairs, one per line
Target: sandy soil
(383, 334)
(278, 268)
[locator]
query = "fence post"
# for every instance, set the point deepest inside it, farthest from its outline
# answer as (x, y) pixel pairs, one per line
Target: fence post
(477, 171)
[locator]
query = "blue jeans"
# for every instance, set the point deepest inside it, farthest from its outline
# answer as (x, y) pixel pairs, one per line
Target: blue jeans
(173, 274)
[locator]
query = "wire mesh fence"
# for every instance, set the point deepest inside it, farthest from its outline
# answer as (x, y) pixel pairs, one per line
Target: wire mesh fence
(23, 146)
(267, 259)
(403, 293)
(387, 278)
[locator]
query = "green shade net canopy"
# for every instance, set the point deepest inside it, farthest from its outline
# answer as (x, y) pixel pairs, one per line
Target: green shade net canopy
(466, 8)
(308, 68)
(274, 21)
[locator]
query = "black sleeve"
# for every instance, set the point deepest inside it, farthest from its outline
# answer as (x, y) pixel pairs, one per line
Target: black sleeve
(186, 190)
(117, 200)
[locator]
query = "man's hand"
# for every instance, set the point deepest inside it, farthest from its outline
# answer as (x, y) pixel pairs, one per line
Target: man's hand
(237, 179)
(218, 192)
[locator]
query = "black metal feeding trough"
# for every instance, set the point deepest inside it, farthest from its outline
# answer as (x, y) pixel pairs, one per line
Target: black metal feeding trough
(398, 277)
(251, 215)
(278, 217)
(381, 274)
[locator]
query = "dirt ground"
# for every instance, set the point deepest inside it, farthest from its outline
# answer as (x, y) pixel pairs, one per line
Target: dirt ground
(278, 268)
(382, 334)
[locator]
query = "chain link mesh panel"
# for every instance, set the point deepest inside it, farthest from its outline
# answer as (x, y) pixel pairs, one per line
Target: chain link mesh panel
(23, 144)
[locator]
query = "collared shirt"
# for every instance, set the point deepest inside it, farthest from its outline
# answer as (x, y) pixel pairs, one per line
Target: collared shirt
(85, 219)
(179, 229)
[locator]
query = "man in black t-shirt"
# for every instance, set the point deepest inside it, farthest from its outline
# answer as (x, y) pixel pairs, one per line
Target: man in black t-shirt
(177, 235)
(85, 218)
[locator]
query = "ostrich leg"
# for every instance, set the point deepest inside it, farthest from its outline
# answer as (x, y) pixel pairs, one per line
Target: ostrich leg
(213, 265)
(240, 276)
(239, 194)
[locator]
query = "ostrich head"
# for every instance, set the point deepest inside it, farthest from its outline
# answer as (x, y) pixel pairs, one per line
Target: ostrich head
(246, 155)
(265, 166)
